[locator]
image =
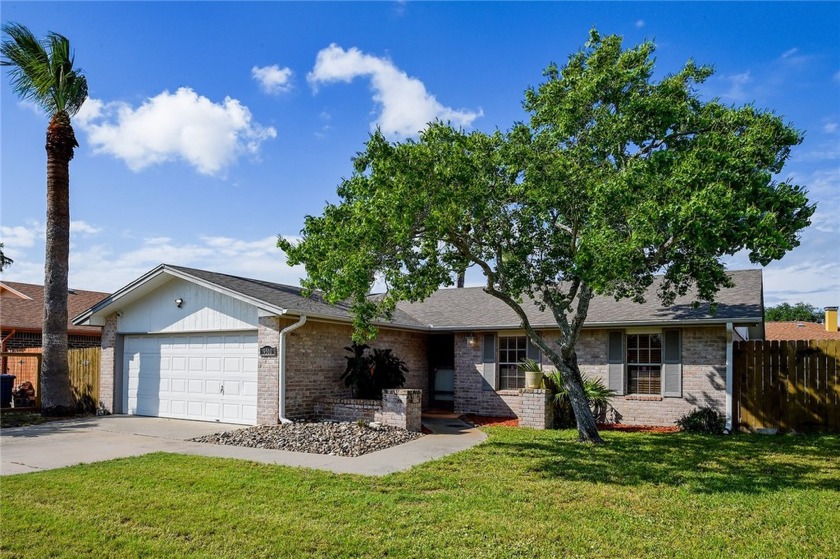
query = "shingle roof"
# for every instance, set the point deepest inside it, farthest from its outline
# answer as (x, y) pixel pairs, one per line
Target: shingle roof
(473, 308)
(798, 331)
(287, 296)
(467, 308)
(28, 313)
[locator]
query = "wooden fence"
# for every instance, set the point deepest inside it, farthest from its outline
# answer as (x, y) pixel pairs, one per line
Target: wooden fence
(787, 385)
(84, 373)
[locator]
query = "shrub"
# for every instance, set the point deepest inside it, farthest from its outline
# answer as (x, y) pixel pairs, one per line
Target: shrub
(597, 394)
(703, 420)
(368, 374)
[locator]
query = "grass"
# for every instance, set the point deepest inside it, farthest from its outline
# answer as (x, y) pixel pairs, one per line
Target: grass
(523, 493)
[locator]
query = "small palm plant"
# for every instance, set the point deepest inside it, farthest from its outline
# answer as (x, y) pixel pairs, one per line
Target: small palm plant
(597, 394)
(368, 374)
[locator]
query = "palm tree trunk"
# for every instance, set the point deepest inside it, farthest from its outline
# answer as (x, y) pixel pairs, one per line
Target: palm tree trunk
(56, 394)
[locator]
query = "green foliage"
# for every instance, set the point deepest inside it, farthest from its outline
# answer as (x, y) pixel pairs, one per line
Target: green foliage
(786, 312)
(42, 71)
(530, 366)
(597, 395)
(703, 420)
(616, 178)
(368, 374)
(5, 261)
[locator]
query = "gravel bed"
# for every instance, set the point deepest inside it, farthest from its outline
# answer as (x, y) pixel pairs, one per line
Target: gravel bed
(328, 437)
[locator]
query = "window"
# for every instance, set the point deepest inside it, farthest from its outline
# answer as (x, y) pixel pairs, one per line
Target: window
(512, 351)
(644, 364)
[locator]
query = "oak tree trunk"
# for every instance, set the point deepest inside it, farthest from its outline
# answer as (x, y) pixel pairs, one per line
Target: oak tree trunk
(570, 372)
(56, 394)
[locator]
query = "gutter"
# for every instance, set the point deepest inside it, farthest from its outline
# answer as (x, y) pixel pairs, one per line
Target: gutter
(729, 376)
(281, 393)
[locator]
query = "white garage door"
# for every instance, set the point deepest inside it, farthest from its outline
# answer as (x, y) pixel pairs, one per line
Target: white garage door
(207, 377)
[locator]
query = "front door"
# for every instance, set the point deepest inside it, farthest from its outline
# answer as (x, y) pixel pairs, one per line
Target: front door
(442, 368)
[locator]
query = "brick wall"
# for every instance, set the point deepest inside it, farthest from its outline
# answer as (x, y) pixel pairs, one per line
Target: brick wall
(400, 408)
(703, 381)
(470, 394)
(315, 359)
(703, 368)
(107, 365)
(268, 372)
(535, 408)
(27, 340)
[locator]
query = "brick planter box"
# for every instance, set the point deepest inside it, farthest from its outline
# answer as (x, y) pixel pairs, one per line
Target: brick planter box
(400, 408)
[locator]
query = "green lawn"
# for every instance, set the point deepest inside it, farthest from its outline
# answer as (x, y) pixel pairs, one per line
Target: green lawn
(523, 493)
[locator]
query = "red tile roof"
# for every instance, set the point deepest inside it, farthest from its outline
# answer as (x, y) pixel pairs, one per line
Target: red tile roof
(22, 307)
(798, 331)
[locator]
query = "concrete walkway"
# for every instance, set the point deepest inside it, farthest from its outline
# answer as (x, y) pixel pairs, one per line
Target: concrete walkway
(77, 441)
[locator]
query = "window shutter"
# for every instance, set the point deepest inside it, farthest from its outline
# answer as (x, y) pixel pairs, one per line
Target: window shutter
(534, 351)
(489, 359)
(615, 362)
(671, 364)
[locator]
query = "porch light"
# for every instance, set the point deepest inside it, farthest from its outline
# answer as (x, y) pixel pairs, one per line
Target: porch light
(179, 302)
(471, 340)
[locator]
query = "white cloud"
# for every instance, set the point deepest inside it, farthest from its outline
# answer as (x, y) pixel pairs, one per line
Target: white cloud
(737, 86)
(20, 236)
(824, 189)
(83, 228)
(406, 105)
(171, 126)
(790, 52)
(830, 127)
(107, 264)
(273, 79)
(640, 23)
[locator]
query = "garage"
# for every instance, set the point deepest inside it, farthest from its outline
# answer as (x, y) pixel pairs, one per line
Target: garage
(198, 376)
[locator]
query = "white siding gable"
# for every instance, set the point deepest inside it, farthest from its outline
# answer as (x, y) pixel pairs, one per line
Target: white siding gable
(203, 310)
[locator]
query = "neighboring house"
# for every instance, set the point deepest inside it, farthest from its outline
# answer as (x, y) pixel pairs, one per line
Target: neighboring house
(186, 343)
(22, 316)
(21, 320)
(798, 330)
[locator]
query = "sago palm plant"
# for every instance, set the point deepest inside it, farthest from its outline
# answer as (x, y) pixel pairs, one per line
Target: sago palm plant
(597, 394)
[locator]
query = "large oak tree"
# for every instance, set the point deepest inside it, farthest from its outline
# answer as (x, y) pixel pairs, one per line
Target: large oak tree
(42, 72)
(616, 178)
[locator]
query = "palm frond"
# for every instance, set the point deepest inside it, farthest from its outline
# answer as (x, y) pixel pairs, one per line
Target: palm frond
(42, 71)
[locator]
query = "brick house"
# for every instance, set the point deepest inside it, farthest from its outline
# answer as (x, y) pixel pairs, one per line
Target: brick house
(186, 343)
(22, 317)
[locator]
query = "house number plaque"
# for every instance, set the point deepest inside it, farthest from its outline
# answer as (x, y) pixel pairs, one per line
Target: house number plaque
(268, 351)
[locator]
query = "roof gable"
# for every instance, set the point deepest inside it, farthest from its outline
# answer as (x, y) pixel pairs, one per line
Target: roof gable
(23, 307)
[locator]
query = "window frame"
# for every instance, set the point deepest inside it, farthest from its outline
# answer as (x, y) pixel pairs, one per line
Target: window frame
(637, 366)
(509, 370)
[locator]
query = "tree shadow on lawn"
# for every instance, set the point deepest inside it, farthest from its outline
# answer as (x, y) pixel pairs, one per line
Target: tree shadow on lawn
(699, 463)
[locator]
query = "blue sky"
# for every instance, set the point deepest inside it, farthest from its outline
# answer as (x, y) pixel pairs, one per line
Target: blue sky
(214, 127)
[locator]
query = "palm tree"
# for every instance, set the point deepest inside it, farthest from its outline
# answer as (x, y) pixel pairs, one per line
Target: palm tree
(42, 72)
(5, 261)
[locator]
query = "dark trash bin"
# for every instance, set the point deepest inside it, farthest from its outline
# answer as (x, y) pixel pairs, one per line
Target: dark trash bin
(7, 383)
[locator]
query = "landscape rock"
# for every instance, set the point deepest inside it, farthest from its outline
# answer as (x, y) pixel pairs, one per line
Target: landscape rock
(328, 437)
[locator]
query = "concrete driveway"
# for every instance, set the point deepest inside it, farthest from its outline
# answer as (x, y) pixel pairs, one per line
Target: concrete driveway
(92, 439)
